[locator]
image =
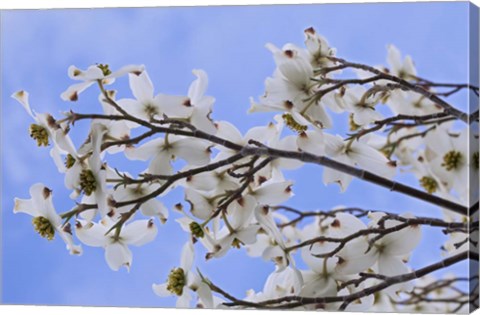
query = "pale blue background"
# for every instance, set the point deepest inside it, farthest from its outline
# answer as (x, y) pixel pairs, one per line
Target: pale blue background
(228, 43)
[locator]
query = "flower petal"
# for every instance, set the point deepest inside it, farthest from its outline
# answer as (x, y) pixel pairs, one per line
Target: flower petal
(183, 300)
(248, 235)
(204, 181)
(25, 206)
(187, 258)
(194, 151)
(161, 290)
(72, 92)
(264, 217)
(345, 224)
(205, 295)
(402, 242)
(391, 266)
(141, 86)
(154, 207)
(91, 234)
(273, 193)
(92, 73)
(332, 176)
(372, 160)
(241, 211)
(199, 86)
(118, 255)
(394, 59)
(139, 233)
(68, 239)
(133, 69)
(228, 131)
(22, 98)
(174, 106)
(145, 151)
(353, 259)
(200, 206)
(311, 142)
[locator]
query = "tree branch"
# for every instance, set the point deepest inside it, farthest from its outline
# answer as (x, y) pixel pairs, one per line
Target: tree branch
(413, 87)
(297, 301)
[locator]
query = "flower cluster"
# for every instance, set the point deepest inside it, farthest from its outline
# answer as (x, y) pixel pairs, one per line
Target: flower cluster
(235, 187)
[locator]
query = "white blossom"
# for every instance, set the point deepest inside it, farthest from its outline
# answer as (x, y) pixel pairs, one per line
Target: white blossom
(45, 219)
(117, 252)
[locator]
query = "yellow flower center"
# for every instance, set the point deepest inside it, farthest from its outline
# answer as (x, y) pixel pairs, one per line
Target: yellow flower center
(176, 281)
(429, 184)
(196, 230)
(88, 183)
(105, 69)
(452, 160)
(293, 124)
(40, 134)
(43, 227)
(237, 243)
(69, 161)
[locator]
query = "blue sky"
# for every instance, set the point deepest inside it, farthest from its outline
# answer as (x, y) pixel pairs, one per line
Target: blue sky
(228, 43)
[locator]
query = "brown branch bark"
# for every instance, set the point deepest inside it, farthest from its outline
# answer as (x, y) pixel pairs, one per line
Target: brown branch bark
(293, 301)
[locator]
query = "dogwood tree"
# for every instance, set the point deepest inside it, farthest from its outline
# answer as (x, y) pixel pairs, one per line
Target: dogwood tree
(393, 121)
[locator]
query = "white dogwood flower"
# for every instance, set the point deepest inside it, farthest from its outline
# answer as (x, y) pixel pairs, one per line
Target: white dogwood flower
(162, 151)
(291, 88)
(117, 253)
(411, 103)
(318, 48)
(46, 221)
(361, 105)
(147, 105)
(46, 129)
(386, 253)
(275, 253)
(92, 75)
(228, 131)
(405, 69)
(273, 192)
(354, 153)
(238, 229)
(452, 162)
(88, 176)
(182, 279)
(115, 130)
(280, 283)
(202, 204)
(202, 104)
(320, 279)
(150, 208)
